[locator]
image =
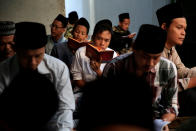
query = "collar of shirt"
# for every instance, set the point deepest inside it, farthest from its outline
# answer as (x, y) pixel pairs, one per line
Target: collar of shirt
(62, 39)
(42, 68)
(168, 52)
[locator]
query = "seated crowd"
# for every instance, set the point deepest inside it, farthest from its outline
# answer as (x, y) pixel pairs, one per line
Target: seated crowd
(45, 85)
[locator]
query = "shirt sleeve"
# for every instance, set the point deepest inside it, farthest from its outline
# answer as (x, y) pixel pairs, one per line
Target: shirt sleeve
(63, 120)
(182, 70)
(76, 68)
(172, 91)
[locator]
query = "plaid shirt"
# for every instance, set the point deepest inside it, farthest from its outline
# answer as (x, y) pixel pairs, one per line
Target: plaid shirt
(162, 80)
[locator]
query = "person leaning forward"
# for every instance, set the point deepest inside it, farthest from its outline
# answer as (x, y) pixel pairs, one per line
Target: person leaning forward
(146, 62)
(30, 40)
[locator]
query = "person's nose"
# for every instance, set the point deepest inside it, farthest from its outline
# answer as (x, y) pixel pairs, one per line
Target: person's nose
(150, 62)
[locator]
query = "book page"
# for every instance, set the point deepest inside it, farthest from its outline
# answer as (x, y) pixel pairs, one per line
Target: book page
(75, 44)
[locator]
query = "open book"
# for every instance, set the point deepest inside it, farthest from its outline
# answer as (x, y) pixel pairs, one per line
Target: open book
(73, 44)
(96, 54)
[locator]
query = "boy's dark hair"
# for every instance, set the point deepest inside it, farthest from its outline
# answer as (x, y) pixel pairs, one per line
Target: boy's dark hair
(84, 22)
(29, 102)
(123, 16)
(73, 17)
(102, 25)
(120, 100)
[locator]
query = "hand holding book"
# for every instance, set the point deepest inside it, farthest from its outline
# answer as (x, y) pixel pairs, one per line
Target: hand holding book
(96, 54)
(96, 67)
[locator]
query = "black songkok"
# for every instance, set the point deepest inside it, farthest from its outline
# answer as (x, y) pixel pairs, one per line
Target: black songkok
(169, 12)
(30, 35)
(151, 39)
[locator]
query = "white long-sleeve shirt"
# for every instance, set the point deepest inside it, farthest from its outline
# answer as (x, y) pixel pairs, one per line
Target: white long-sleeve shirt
(58, 73)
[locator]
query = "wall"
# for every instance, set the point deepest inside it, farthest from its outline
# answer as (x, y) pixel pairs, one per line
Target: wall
(74, 5)
(141, 11)
(43, 11)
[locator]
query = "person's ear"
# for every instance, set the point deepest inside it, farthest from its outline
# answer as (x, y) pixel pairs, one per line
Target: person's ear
(163, 26)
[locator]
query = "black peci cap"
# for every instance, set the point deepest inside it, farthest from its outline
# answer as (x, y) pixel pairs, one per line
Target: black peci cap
(150, 39)
(30, 35)
(169, 12)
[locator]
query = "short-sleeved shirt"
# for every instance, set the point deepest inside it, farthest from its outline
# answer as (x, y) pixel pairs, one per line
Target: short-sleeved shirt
(80, 68)
(162, 80)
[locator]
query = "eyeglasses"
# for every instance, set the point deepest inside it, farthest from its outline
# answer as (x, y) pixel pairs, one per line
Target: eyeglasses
(55, 26)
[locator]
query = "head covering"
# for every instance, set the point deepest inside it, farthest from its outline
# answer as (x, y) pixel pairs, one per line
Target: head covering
(30, 35)
(7, 28)
(123, 16)
(62, 19)
(73, 17)
(84, 22)
(150, 39)
(169, 12)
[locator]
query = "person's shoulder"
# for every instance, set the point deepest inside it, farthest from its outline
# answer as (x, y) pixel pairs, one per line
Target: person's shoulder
(81, 49)
(114, 28)
(49, 37)
(53, 62)
(165, 60)
(167, 64)
(61, 45)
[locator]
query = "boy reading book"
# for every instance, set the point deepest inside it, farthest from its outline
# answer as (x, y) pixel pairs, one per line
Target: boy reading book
(80, 34)
(85, 69)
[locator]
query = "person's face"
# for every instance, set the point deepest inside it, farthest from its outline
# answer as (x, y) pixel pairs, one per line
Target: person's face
(30, 59)
(57, 29)
(121, 128)
(176, 31)
(102, 40)
(80, 33)
(6, 46)
(146, 61)
(125, 24)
